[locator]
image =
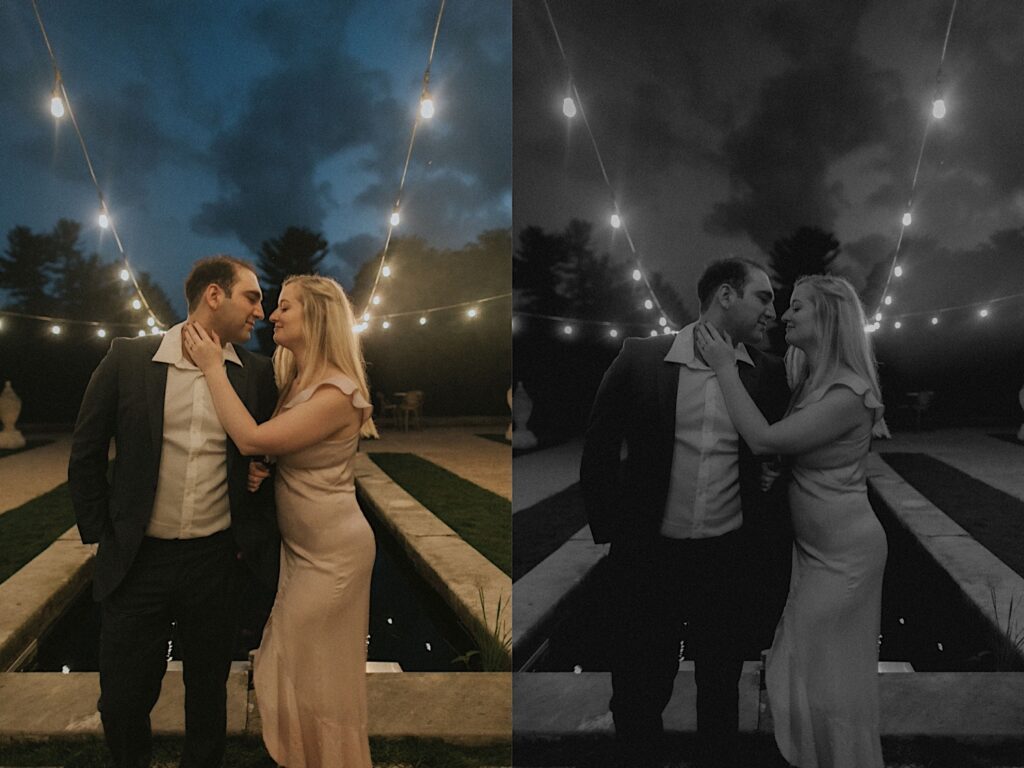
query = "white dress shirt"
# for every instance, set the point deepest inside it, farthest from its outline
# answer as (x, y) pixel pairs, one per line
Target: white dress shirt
(704, 490)
(192, 486)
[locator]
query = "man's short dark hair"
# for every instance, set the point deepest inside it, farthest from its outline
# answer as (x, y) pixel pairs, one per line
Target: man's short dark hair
(219, 270)
(733, 272)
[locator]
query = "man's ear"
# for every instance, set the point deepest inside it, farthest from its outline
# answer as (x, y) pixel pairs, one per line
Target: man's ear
(725, 295)
(213, 296)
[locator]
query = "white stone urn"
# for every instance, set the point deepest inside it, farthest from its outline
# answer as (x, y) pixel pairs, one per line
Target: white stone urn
(522, 407)
(10, 409)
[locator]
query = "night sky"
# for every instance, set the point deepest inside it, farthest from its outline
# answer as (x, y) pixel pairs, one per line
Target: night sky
(726, 125)
(214, 126)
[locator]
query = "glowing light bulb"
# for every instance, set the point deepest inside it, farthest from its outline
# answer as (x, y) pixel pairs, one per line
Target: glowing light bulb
(898, 271)
(423, 321)
(472, 312)
(666, 330)
(897, 325)
(888, 300)
(57, 106)
(426, 106)
(648, 304)
(359, 327)
(136, 304)
(386, 271)
(150, 321)
(616, 221)
(141, 333)
(567, 330)
(385, 325)
(637, 275)
(878, 316)
(55, 330)
(984, 313)
(101, 333)
(568, 107)
(907, 219)
(939, 109)
(376, 300)
(613, 333)
(366, 316)
(154, 331)
(654, 333)
(395, 218)
(104, 220)
(125, 275)
(662, 322)
(935, 321)
(869, 328)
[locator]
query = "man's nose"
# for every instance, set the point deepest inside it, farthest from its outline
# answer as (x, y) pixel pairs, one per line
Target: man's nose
(770, 311)
(258, 311)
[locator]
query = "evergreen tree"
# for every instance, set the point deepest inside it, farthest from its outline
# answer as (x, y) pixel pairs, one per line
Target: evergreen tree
(298, 251)
(808, 251)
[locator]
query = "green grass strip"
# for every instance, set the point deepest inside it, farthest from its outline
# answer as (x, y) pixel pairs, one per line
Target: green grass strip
(483, 519)
(27, 530)
(249, 752)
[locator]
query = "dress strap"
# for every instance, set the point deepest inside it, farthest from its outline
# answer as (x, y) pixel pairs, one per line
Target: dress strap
(342, 382)
(852, 381)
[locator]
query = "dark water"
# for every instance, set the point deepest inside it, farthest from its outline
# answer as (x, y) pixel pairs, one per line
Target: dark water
(926, 620)
(409, 623)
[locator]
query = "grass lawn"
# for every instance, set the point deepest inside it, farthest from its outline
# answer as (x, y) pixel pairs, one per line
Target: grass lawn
(482, 518)
(248, 752)
(27, 530)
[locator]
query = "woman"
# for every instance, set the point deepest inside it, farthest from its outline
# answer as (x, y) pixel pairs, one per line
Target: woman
(822, 673)
(310, 668)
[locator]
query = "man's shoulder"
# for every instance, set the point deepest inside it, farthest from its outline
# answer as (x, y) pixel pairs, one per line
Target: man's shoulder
(647, 347)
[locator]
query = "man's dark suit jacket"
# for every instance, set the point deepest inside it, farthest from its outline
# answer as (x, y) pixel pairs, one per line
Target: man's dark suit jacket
(636, 404)
(125, 400)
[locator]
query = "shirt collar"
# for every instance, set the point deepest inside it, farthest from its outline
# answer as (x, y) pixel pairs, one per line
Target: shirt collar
(170, 352)
(682, 352)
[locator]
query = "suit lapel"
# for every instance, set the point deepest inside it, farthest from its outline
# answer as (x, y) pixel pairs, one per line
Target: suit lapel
(156, 386)
(238, 377)
(668, 389)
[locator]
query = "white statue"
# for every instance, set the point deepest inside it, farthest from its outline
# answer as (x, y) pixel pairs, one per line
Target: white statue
(1020, 432)
(10, 409)
(522, 407)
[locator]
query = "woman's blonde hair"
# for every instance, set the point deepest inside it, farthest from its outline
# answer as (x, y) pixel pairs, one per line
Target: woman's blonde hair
(329, 336)
(842, 341)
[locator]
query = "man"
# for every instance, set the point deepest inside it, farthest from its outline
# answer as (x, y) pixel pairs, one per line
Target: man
(176, 523)
(680, 511)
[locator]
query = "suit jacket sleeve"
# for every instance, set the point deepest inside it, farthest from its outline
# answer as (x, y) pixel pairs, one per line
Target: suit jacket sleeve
(602, 449)
(90, 449)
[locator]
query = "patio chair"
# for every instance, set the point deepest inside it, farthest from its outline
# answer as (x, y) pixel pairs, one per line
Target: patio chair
(411, 407)
(385, 408)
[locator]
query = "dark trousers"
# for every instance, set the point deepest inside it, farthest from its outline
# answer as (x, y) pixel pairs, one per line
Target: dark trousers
(194, 583)
(663, 584)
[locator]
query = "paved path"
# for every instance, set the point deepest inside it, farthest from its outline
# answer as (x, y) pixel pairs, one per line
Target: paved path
(539, 474)
(485, 462)
(31, 473)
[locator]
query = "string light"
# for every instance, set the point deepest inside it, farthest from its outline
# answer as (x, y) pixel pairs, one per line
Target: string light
(907, 219)
(568, 107)
(366, 317)
(637, 275)
(385, 325)
(423, 321)
(662, 322)
(426, 104)
(150, 321)
(136, 304)
(898, 271)
(567, 330)
(648, 304)
(386, 271)
(878, 316)
(141, 333)
(376, 300)
(654, 333)
(888, 300)
(897, 325)
(55, 330)
(983, 313)
(101, 333)
(935, 321)
(395, 218)
(613, 333)
(125, 274)
(472, 312)
(616, 221)
(939, 109)
(59, 104)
